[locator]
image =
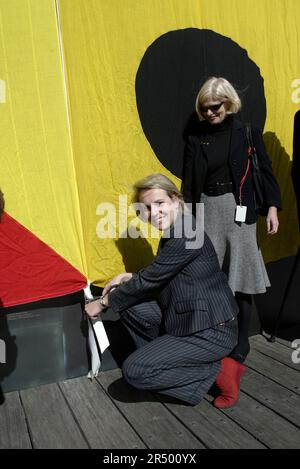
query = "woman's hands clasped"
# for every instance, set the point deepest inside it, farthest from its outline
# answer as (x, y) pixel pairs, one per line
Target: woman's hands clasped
(94, 308)
(121, 278)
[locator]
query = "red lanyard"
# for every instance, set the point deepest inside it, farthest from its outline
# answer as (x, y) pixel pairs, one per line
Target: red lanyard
(245, 175)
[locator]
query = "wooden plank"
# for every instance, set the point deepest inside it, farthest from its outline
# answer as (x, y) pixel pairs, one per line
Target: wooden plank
(50, 420)
(265, 336)
(269, 428)
(14, 432)
(272, 395)
(101, 422)
(152, 421)
(286, 343)
(267, 366)
(275, 350)
(213, 428)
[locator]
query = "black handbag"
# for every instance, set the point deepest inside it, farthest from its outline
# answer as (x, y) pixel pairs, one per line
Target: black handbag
(257, 178)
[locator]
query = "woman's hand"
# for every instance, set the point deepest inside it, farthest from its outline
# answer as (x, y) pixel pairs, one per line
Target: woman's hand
(272, 220)
(93, 308)
(121, 278)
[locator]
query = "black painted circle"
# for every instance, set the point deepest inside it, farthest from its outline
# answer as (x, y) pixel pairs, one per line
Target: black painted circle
(169, 77)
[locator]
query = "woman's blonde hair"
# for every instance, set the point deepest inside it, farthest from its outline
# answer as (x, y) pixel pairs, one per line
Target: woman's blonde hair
(218, 89)
(157, 181)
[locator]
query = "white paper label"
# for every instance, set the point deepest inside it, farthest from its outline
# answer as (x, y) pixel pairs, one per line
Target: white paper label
(240, 213)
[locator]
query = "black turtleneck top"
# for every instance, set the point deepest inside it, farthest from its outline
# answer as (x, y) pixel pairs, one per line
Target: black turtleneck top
(217, 151)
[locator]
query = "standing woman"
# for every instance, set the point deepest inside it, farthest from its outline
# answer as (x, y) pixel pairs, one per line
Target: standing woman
(215, 173)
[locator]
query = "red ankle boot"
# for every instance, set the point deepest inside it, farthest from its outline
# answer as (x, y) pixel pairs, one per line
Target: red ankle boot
(228, 382)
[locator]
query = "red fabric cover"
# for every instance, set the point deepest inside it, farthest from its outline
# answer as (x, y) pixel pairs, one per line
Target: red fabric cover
(29, 269)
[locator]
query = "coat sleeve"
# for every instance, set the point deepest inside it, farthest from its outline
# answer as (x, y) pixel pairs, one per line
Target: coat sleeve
(187, 173)
(148, 282)
(271, 188)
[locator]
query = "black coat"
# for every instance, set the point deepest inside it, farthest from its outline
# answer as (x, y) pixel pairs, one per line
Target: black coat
(196, 164)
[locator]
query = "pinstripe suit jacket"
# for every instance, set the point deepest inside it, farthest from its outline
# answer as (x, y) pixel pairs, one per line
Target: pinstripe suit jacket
(188, 285)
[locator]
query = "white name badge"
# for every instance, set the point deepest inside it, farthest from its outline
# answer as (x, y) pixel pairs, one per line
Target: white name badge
(240, 213)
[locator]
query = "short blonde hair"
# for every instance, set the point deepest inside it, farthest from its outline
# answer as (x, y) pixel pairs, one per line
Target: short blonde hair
(157, 181)
(218, 89)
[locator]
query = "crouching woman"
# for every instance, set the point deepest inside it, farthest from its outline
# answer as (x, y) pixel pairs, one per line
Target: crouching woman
(179, 310)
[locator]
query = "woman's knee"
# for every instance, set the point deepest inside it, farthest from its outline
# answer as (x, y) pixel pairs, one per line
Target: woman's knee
(133, 372)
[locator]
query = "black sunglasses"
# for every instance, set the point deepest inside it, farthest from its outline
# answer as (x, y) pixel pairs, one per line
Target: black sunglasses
(213, 107)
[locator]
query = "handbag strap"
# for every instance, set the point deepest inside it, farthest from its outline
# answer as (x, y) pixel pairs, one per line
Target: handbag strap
(251, 151)
(248, 135)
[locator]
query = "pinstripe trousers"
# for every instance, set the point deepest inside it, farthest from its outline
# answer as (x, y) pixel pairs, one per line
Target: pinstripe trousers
(184, 367)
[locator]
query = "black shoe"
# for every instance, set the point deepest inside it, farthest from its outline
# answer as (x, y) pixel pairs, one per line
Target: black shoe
(2, 398)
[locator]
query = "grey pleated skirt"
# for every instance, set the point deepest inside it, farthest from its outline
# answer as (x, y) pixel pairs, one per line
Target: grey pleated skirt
(235, 244)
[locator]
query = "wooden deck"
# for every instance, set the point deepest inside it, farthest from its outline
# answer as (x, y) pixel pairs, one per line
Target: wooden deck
(107, 414)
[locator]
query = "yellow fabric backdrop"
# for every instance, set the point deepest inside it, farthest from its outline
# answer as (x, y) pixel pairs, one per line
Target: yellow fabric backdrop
(56, 170)
(104, 42)
(37, 173)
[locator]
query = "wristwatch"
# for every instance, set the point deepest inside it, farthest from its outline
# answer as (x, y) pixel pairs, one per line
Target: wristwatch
(101, 301)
